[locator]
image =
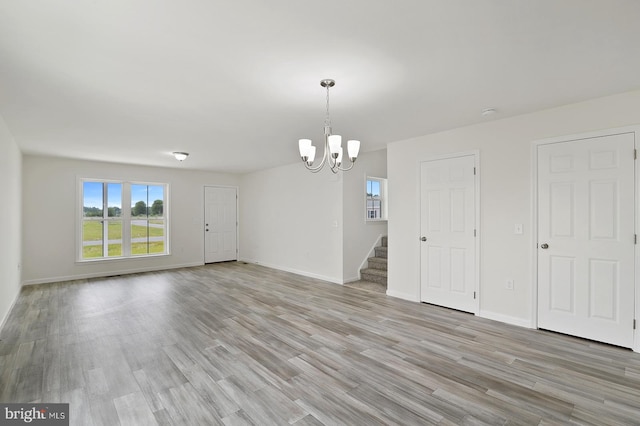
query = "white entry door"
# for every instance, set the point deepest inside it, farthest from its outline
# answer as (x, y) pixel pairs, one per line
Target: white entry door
(448, 221)
(220, 220)
(586, 214)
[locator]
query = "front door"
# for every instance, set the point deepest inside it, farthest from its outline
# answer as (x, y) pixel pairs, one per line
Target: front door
(586, 213)
(448, 232)
(220, 220)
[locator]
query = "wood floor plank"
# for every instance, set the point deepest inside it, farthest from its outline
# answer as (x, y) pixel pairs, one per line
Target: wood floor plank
(240, 344)
(133, 411)
(79, 407)
(239, 418)
(211, 391)
(96, 381)
(103, 411)
(187, 407)
(394, 411)
(335, 407)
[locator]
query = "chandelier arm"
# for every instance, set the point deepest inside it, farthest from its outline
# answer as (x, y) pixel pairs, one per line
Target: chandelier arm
(333, 162)
(316, 170)
(319, 167)
(346, 169)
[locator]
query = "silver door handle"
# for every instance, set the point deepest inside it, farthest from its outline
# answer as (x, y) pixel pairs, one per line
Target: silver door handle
(423, 239)
(544, 246)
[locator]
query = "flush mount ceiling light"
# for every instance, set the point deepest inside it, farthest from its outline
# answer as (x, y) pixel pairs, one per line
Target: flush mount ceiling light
(180, 156)
(488, 112)
(332, 145)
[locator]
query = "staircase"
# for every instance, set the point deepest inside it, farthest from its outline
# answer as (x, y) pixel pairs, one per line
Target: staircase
(377, 266)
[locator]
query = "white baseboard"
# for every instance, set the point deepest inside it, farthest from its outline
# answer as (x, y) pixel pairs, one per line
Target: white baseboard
(109, 273)
(295, 271)
(350, 280)
(521, 322)
(6, 316)
(404, 296)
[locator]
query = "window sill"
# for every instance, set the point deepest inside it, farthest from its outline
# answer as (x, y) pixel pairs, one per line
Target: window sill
(115, 259)
(375, 220)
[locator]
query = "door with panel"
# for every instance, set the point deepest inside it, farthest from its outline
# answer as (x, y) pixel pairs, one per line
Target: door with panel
(220, 231)
(586, 238)
(448, 273)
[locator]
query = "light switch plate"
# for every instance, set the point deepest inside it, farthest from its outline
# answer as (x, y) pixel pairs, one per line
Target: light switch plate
(518, 228)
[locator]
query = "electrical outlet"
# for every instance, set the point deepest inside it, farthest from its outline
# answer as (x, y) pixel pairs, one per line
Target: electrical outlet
(508, 284)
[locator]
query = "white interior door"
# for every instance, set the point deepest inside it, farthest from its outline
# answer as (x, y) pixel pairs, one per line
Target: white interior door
(586, 237)
(448, 223)
(220, 219)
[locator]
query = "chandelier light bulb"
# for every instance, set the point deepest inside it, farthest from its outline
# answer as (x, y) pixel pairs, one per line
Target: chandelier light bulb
(335, 143)
(353, 148)
(312, 155)
(304, 145)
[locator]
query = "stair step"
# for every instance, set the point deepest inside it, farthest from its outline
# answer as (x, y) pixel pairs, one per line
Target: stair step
(368, 285)
(378, 272)
(381, 252)
(384, 241)
(374, 275)
(378, 263)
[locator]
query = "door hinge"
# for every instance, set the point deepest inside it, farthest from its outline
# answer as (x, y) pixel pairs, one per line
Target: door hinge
(635, 154)
(475, 234)
(474, 171)
(635, 238)
(634, 324)
(474, 295)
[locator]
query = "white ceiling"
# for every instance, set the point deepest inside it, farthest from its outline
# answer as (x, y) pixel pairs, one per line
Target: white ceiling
(236, 83)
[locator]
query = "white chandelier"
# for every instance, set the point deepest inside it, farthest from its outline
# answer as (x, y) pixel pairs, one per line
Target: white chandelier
(332, 145)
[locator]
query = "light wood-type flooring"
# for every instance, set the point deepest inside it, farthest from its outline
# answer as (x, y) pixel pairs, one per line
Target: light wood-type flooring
(243, 344)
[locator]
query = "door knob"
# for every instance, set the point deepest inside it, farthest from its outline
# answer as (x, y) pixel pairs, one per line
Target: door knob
(544, 246)
(423, 239)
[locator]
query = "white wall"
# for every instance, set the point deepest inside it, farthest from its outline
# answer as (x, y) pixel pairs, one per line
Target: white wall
(505, 177)
(360, 235)
(10, 220)
(287, 218)
(50, 221)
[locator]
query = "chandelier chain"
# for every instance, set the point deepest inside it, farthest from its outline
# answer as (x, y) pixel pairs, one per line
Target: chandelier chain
(327, 119)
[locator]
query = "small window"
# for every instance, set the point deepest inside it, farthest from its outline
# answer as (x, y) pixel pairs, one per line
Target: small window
(376, 201)
(110, 231)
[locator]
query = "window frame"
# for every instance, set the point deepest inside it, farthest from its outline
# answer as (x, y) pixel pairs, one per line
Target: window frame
(382, 199)
(125, 217)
